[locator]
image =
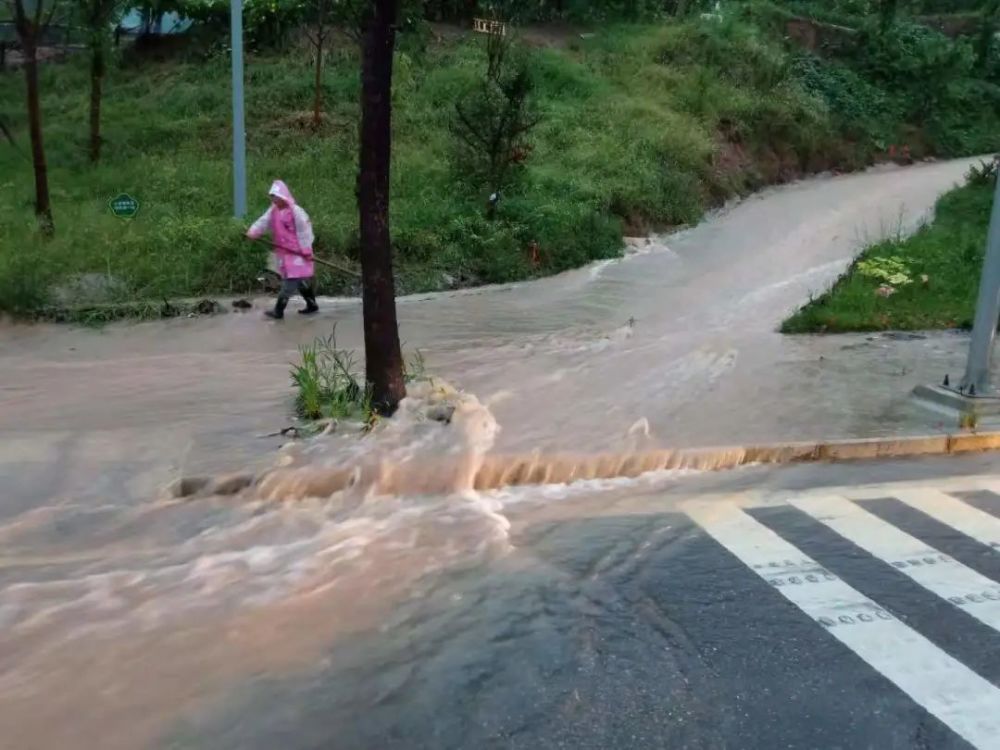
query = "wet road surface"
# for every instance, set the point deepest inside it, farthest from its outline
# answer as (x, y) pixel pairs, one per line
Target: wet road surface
(607, 615)
(845, 617)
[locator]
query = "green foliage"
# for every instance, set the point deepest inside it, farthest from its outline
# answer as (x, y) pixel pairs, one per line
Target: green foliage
(890, 270)
(24, 284)
(864, 110)
(907, 84)
(266, 23)
(581, 11)
(915, 63)
(934, 275)
(643, 126)
(326, 383)
(493, 121)
(737, 51)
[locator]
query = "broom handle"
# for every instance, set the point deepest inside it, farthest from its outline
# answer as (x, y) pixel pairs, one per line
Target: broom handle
(327, 263)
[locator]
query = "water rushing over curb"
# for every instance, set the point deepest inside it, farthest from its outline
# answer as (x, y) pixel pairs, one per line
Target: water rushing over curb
(492, 472)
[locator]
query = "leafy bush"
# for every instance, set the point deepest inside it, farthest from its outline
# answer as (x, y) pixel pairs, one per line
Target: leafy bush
(266, 23)
(915, 63)
(859, 106)
(891, 270)
(735, 50)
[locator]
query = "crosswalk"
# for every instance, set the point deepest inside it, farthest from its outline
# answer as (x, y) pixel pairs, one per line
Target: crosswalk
(836, 559)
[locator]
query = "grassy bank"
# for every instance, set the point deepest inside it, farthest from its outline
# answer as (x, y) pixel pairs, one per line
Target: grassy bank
(926, 281)
(643, 126)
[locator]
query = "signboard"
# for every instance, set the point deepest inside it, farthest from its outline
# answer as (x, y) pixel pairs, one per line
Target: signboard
(487, 26)
(124, 206)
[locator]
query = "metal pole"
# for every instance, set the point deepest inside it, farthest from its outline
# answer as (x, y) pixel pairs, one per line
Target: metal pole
(239, 127)
(977, 370)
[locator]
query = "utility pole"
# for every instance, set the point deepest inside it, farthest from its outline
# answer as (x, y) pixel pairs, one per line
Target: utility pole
(239, 126)
(977, 371)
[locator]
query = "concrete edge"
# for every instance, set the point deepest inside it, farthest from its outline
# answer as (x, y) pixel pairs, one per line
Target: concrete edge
(497, 471)
(859, 449)
(493, 471)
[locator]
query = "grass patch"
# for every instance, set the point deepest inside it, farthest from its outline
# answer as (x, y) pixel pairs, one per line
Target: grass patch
(326, 383)
(644, 126)
(933, 275)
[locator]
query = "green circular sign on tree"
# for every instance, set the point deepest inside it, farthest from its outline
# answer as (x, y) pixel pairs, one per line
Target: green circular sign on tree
(124, 206)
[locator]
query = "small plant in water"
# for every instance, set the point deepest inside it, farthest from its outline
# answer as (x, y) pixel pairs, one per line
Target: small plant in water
(326, 382)
(328, 385)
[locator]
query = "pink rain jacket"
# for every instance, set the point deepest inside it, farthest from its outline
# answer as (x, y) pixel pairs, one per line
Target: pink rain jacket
(292, 234)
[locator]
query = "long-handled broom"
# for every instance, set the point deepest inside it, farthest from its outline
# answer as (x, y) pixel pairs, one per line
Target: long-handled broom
(322, 261)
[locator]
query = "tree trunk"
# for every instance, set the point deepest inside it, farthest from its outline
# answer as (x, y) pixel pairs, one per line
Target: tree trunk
(43, 208)
(383, 356)
(96, 79)
(318, 98)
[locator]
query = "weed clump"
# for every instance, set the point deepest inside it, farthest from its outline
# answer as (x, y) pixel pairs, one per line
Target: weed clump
(328, 386)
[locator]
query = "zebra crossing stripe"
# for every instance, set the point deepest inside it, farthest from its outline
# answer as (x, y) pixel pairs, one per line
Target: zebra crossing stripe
(946, 688)
(938, 573)
(974, 523)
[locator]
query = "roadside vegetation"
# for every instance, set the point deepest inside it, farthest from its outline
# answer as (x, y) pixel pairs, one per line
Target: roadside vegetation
(627, 119)
(329, 383)
(926, 281)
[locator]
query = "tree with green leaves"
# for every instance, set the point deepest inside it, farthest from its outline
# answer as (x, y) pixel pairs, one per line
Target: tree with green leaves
(493, 122)
(98, 17)
(31, 20)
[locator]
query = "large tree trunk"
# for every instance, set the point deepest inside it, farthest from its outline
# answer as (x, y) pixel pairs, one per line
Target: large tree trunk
(383, 356)
(96, 79)
(43, 208)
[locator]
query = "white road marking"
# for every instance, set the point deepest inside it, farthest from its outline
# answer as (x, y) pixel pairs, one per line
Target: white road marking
(938, 573)
(971, 521)
(964, 701)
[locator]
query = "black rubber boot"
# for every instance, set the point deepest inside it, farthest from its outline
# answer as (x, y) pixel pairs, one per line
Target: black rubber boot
(279, 309)
(310, 298)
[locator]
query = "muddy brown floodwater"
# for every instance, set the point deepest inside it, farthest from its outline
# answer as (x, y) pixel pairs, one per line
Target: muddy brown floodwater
(125, 613)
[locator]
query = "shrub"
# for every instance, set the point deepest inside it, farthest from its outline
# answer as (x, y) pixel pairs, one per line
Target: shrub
(915, 63)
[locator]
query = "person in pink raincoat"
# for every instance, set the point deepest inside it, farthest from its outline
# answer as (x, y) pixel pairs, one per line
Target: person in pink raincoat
(292, 235)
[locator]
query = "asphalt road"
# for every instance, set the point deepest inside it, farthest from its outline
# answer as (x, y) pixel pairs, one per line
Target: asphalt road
(839, 618)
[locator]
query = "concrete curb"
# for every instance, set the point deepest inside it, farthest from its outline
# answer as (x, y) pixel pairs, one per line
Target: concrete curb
(500, 471)
(493, 471)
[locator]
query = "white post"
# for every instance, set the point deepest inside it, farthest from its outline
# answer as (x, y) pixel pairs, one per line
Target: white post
(239, 126)
(977, 370)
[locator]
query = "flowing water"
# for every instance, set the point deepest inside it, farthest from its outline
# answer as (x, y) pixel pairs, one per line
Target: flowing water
(129, 615)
